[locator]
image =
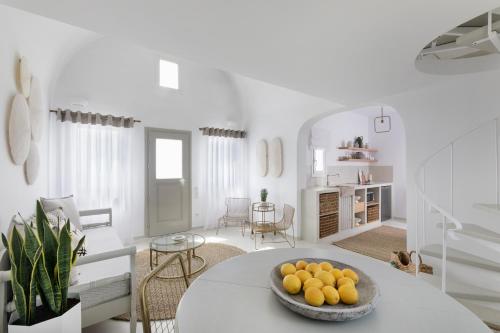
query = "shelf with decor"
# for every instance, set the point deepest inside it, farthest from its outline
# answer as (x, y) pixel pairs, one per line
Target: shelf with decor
(369, 150)
(365, 160)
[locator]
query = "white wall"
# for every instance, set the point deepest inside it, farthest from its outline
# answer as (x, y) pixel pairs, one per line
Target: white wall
(433, 117)
(344, 126)
(122, 79)
(391, 151)
(269, 112)
(46, 44)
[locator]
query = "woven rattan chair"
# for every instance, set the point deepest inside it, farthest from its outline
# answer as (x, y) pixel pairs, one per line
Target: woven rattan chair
(236, 212)
(280, 227)
(159, 315)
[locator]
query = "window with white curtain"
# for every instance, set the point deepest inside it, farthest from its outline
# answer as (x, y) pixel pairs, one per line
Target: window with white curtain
(224, 174)
(94, 163)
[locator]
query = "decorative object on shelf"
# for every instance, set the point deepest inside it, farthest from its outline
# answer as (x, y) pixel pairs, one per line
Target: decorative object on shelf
(36, 109)
(19, 130)
(24, 77)
(263, 195)
(382, 124)
(262, 157)
(51, 258)
(275, 157)
(32, 164)
(358, 142)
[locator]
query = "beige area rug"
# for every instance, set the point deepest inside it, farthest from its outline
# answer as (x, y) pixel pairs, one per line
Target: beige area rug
(376, 243)
(167, 293)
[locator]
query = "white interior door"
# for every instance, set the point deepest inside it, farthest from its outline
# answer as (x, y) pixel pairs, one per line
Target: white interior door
(168, 197)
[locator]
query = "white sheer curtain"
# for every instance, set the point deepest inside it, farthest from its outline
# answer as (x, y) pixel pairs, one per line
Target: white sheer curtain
(225, 174)
(94, 163)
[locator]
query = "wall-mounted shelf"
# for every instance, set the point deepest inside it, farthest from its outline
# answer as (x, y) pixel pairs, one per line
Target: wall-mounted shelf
(359, 160)
(370, 150)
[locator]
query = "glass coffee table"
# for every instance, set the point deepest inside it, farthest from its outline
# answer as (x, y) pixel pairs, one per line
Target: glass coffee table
(184, 242)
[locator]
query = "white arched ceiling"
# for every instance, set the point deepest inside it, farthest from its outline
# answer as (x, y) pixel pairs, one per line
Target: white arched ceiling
(338, 50)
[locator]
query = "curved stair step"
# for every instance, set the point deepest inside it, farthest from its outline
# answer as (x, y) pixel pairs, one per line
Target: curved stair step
(454, 255)
(473, 231)
(490, 208)
(489, 316)
(462, 290)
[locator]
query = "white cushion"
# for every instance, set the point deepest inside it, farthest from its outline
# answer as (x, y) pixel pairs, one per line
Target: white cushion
(67, 204)
(99, 240)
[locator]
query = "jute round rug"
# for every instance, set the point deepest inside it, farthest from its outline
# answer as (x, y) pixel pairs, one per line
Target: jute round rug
(213, 253)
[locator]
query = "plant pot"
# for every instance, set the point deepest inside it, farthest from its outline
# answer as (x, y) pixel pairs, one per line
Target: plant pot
(69, 322)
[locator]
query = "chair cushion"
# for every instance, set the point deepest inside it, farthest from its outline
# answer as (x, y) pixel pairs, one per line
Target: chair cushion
(68, 206)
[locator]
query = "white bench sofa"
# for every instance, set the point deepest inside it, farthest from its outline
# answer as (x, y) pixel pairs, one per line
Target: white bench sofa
(106, 276)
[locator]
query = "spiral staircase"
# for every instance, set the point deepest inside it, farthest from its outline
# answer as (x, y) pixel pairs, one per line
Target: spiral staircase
(465, 252)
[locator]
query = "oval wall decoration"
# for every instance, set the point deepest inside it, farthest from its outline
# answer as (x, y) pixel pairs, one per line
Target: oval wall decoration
(19, 130)
(32, 164)
(275, 157)
(262, 158)
(36, 109)
(24, 77)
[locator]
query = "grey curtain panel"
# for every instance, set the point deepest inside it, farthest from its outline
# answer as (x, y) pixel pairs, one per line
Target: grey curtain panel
(94, 118)
(211, 131)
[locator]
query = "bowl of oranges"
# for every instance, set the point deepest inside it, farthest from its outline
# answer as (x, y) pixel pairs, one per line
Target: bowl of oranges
(324, 289)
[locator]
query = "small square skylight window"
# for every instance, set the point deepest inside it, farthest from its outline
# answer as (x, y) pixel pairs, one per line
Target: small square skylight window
(169, 74)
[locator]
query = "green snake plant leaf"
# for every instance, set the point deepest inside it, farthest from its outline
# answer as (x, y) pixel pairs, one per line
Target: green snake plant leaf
(49, 243)
(32, 287)
(40, 218)
(64, 257)
(75, 251)
(45, 270)
(31, 243)
(16, 249)
(19, 297)
(17, 289)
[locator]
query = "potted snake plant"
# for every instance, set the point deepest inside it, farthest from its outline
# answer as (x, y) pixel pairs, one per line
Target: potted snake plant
(41, 263)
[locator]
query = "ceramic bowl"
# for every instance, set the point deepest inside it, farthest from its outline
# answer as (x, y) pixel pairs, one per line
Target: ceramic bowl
(368, 290)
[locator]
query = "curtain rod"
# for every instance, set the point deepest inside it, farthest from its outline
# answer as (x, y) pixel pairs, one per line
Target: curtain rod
(55, 111)
(211, 131)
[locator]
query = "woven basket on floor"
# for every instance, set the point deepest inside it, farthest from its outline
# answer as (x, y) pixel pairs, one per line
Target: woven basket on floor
(402, 261)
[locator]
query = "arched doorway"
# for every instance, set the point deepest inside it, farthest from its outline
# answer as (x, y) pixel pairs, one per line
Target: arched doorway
(381, 159)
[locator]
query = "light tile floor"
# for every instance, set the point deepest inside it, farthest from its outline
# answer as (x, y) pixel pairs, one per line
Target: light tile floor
(230, 236)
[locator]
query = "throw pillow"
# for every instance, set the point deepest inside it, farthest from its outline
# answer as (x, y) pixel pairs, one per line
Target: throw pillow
(68, 206)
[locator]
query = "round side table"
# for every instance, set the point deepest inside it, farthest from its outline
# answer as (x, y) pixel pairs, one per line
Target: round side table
(263, 225)
(177, 243)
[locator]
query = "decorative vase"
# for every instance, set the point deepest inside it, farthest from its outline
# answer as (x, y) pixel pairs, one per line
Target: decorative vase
(69, 322)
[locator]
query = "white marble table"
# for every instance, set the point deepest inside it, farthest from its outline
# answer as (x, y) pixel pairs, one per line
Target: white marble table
(235, 297)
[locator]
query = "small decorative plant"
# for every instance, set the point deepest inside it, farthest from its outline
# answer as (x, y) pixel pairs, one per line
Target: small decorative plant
(263, 195)
(358, 142)
(41, 263)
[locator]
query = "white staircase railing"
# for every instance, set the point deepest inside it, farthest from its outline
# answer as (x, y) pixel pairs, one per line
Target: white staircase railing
(449, 222)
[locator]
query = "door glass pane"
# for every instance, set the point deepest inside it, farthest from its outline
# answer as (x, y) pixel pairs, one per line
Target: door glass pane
(168, 159)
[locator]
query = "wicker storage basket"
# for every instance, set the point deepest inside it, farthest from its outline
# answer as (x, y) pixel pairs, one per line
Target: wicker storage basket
(328, 203)
(373, 213)
(402, 261)
(328, 225)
